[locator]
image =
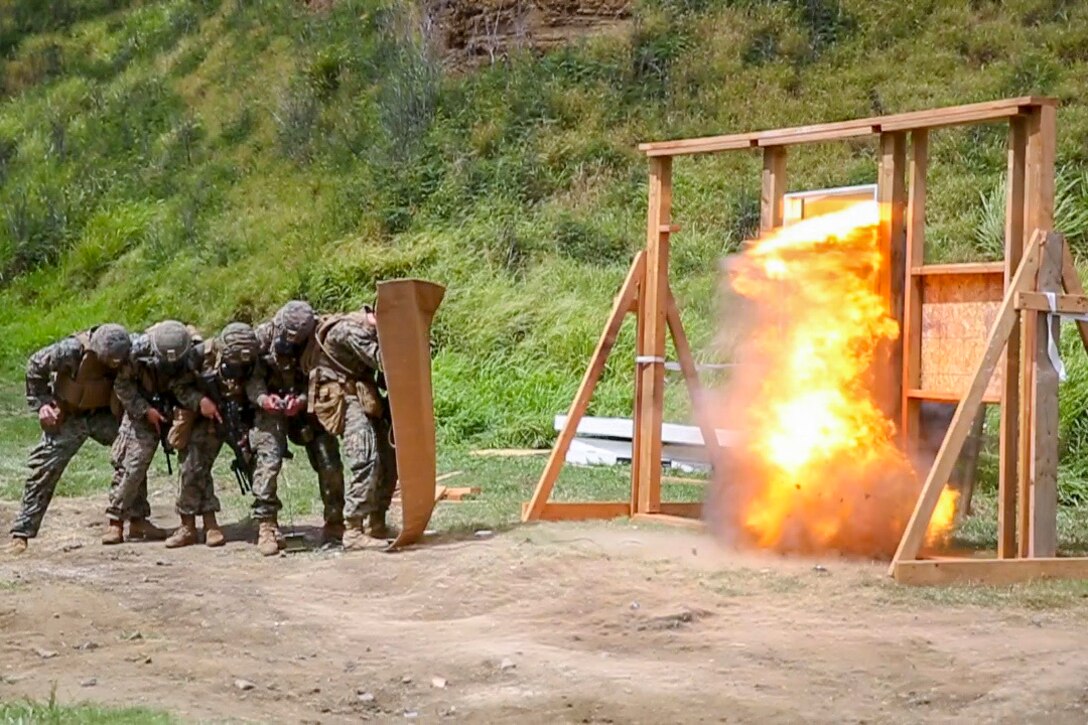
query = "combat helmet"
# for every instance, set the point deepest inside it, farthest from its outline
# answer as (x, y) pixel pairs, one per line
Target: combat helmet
(238, 344)
(293, 324)
(110, 343)
(170, 340)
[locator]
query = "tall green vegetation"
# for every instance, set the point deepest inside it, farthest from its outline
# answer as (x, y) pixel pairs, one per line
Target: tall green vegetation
(208, 159)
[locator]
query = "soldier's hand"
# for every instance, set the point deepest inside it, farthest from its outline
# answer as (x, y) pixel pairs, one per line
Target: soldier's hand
(48, 415)
(294, 406)
(156, 419)
(271, 403)
(208, 409)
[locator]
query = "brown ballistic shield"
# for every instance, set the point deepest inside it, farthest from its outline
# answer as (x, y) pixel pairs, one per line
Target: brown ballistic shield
(405, 308)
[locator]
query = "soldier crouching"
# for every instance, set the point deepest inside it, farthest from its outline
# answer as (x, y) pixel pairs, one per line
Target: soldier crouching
(70, 386)
(283, 416)
(343, 364)
(160, 372)
(230, 373)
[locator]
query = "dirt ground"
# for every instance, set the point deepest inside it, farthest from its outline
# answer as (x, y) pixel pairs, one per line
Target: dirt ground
(557, 623)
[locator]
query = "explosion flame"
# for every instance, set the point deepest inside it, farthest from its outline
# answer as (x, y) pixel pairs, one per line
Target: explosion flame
(818, 467)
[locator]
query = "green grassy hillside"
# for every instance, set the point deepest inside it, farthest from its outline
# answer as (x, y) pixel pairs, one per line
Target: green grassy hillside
(208, 159)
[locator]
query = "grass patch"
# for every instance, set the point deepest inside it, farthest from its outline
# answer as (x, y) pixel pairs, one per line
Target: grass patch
(52, 713)
(1040, 595)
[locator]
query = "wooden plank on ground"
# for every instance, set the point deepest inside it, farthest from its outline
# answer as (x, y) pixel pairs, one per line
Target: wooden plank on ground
(459, 493)
(914, 535)
(620, 308)
(509, 452)
(995, 572)
(1009, 435)
(680, 480)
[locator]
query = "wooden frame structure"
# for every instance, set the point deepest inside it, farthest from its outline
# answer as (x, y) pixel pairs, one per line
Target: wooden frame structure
(1025, 386)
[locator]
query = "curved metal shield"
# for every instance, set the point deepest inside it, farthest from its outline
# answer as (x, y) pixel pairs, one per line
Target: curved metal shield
(405, 309)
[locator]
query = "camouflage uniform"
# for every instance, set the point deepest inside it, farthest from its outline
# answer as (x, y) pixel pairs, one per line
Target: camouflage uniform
(343, 368)
(284, 377)
(145, 377)
(69, 375)
(196, 491)
(230, 366)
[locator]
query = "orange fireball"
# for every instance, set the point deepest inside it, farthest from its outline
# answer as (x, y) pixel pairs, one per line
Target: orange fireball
(818, 468)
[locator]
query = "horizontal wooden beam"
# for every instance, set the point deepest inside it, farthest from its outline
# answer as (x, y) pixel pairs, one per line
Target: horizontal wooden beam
(944, 396)
(581, 511)
(681, 521)
(669, 228)
(994, 268)
(686, 510)
(1065, 304)
(928, 572)
(932, 118)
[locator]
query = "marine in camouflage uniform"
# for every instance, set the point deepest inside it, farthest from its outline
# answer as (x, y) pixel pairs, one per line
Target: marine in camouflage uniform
(69, 384)
(343, 364)
(230, 369)
(283, 416)
(158, 379)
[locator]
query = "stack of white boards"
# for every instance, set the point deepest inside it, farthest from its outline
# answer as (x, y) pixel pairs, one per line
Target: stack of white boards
(607, 441)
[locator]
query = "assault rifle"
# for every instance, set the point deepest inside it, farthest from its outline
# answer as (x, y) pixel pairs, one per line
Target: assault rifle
(165, 406)
(234, 431)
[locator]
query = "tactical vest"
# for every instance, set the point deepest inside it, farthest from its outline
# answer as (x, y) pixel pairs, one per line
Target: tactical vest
(91, 387)
(331, 382)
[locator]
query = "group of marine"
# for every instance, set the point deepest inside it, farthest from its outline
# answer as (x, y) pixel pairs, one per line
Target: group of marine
(312, 380)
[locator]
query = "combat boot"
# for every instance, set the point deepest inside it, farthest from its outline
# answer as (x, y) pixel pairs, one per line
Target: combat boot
(267, 535)
(144, 530)
(18, 545)
(213, 535)
(355, 537)
(375, 526)
(332, 532)
(115, 532)
(184, 535)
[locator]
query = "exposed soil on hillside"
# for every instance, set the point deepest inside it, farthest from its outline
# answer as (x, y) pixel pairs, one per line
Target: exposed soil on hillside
(479, 31)
(588, 623)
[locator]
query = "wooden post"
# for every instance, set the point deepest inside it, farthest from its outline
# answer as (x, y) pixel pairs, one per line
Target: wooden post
(1010, 383)
(772, 197)
(1071, 282)
(1040, 126)
(968, 408)
(1044, 413)
(912, 303)
(891, 194)
(691, 379)
(621, 306)
(650, 363)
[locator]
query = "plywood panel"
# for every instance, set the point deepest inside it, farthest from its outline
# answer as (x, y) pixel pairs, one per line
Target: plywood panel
(405, 310)
(958, 311)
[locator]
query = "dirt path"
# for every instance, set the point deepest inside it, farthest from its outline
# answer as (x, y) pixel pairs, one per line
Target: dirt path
(601, 623)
